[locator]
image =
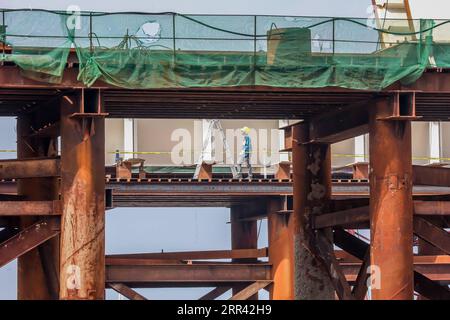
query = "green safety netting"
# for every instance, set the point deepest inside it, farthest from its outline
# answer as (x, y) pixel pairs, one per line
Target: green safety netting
(140, 50)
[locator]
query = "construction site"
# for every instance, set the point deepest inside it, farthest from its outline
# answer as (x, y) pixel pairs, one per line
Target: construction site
(348, 120)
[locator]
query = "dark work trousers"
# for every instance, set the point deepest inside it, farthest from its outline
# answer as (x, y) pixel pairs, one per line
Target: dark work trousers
(246, 161)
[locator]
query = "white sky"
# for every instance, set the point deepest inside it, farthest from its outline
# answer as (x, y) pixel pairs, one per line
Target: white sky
(352, 8)
(278, 7)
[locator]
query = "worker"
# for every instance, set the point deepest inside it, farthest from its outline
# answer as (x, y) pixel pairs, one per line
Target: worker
(245, 153)
(118, 158)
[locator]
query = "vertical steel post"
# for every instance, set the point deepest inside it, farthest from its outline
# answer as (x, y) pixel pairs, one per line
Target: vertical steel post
(311, 189)
(244, 235)
(281, 251)
(83, 203)
(35, 268)
(391, 206)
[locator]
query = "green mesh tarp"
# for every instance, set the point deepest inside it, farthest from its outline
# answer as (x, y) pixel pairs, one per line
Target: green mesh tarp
(140, 50)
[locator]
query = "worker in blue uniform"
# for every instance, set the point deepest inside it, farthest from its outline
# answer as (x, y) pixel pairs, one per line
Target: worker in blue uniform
(246, 153)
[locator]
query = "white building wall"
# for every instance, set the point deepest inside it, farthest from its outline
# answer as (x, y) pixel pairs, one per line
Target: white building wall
(156, 135)
(114, 139)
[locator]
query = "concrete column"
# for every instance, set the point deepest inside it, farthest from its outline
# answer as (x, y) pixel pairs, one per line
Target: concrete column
(312, 189)
(128, 138)
(281, 251)
(360, 148)
(244, 235)
(391, 209)
(37, 270)
(83, 208)
(435, 152)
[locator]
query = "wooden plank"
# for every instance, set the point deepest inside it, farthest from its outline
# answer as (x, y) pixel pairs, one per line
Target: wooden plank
(249, 291)
(30, 208)
(197, 255)
(30, 168)
(432, 234)
(28, 239)
(215, 293)
(126, 291)
(337, 276)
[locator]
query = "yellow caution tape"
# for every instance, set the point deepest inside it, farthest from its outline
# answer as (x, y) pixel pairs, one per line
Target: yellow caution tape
(338, 155)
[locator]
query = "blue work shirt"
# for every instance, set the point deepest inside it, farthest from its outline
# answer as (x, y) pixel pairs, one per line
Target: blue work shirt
(247, 146)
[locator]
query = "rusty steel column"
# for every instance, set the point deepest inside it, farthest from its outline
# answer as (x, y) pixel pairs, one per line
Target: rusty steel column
(83, 203)
(244, 235)
(391, 206)
(37, 270)
(281, 251)
(311, 190)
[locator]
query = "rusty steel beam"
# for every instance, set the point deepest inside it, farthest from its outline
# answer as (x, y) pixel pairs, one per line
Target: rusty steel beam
(11, 197)
(330, 262)
(244, 235)
(44, 263)
(430, 289)
(311, 192)
(359, 215)
(281, 251)
(126, 291)
(431, 176)
(342, 124)
(250, 291)
(344, 240)
(432, 208)
(29, 168)
(50, 267)
(391, 191)
(422, 265)
(142, 275)
(437, 274)
(422, 175)
(215, 293)
(5, 222)
(28, 239)
(359, 290)
(30, 208)
(7, 233)
(223, 192)
(341, 218)
(195, 255)
(83, 202)
(431, 82)
(426, 248)
(432, 234)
